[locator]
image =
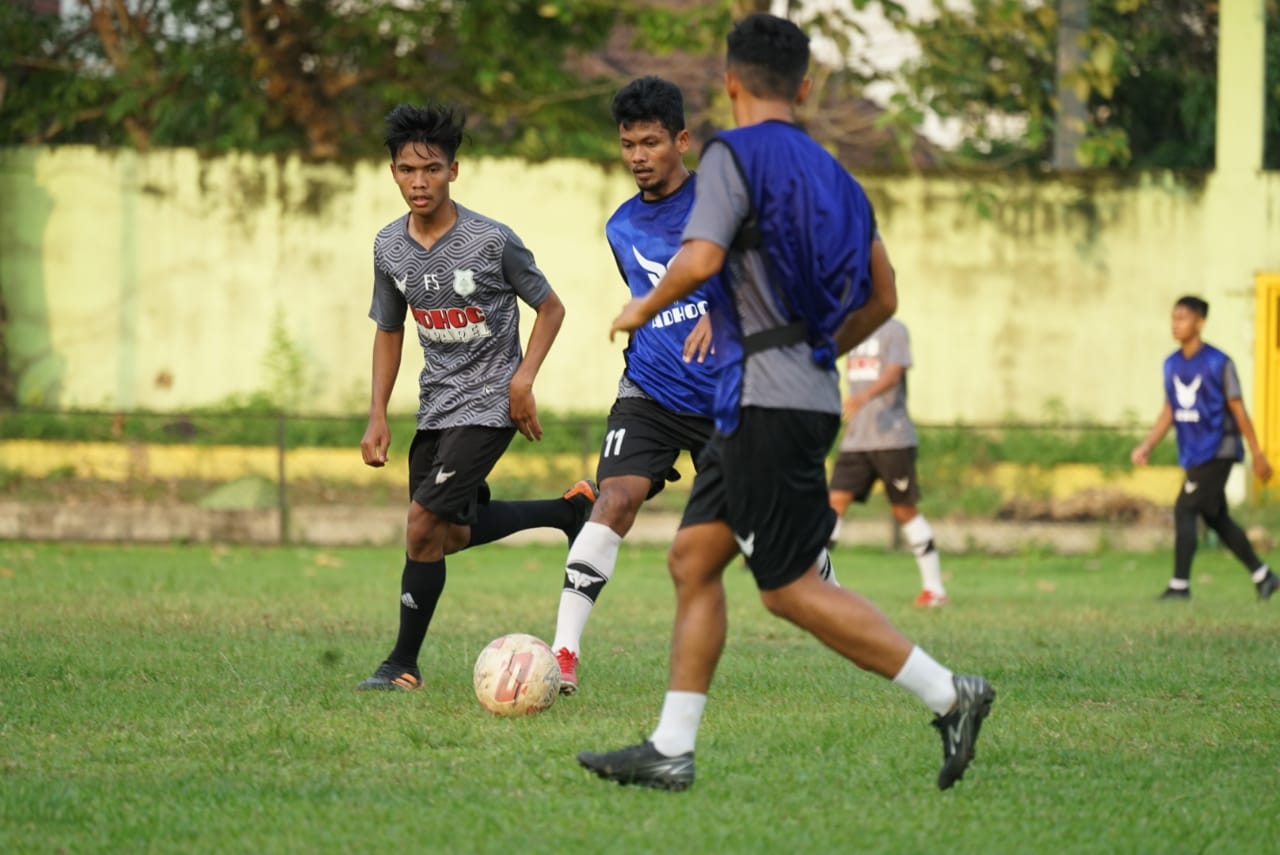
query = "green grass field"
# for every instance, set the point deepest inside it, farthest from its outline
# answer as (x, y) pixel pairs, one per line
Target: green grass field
(198, 699)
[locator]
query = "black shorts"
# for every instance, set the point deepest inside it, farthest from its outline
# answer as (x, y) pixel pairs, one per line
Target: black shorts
(768, 481)
(644, 438)
(1204, 489)
(856, 472)
(448, 468)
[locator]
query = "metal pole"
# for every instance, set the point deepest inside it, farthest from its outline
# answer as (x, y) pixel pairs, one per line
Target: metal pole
(282, 486)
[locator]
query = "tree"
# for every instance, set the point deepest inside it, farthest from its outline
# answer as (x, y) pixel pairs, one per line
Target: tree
(1148, 81)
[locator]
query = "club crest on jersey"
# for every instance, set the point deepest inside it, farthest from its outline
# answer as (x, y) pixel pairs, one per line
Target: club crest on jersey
(451, 325)
(464, 282)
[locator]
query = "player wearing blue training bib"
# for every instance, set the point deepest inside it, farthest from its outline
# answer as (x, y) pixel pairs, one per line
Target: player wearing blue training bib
(803, 278)
(1204, 406)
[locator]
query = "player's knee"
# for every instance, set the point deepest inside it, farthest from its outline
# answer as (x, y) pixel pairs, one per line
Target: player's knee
(616, 507)
(425, 534)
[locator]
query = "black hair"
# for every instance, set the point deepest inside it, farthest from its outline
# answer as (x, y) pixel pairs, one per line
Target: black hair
(650, 99)
(770, 55)
(436, 125)
(1195, 304)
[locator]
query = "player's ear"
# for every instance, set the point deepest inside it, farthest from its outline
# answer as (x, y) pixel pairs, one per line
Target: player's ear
(453, 171)
(682, 141)
(802, 92)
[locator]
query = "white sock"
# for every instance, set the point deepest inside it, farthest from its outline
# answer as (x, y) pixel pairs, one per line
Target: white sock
(919, 536)
(826, 569)
(1261, 573)
(596, 550)
(1176, 584)
(678, 727)
(928, 681)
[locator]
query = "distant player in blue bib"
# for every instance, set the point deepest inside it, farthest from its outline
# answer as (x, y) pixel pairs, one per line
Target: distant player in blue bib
(1204, 406)
(664, 397)
(783, 242)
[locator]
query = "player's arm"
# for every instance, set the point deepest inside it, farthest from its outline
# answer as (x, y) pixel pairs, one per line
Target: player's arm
(387, 347)
(880, 305)
(549, 315)
(1261, 466)
(1142, 453)
(890, 376)
(696, 262)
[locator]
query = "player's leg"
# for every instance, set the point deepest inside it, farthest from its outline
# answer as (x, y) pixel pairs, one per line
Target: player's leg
(703, 547)
(1186, 536)
(897, 468)
(641, 444)
(447, 471)
(852, 478)
(1217, 515)
(423, 577)
(783, 533)
(589, 567)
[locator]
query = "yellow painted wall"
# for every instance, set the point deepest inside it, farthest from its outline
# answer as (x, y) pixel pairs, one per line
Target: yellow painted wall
(151, 281)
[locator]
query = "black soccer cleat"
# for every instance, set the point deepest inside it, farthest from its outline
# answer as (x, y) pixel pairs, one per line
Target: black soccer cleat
(1175, 594)
(1268, 586)
(959, 728)
(644, 765)
(582, 497)
(391, 678)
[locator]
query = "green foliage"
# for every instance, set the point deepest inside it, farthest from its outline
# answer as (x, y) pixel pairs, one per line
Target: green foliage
(1148, 80)
(151, 693)
(286, 369)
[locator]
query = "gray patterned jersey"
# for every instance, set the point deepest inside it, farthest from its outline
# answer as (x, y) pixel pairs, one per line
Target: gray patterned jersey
(462, 295)
(883, 422)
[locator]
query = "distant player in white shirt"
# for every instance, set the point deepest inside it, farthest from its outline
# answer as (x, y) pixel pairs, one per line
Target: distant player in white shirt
(879, 443)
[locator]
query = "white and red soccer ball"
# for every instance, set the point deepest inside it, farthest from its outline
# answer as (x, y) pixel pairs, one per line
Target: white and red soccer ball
(517, 674)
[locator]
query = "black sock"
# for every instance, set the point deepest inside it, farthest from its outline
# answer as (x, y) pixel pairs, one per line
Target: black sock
(420, 587)
(499, 519)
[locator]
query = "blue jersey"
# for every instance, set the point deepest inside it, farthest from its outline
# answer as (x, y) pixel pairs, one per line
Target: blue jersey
(644, 236)
(1198, 389)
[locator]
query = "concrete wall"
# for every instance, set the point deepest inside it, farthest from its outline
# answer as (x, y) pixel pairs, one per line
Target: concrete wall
(153, 281)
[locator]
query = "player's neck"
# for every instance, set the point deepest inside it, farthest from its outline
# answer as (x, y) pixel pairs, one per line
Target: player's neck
(749, 110)
(1191, 347)
(429, 228)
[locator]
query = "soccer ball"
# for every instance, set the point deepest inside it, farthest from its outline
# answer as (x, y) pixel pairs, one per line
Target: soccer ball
(517, 674)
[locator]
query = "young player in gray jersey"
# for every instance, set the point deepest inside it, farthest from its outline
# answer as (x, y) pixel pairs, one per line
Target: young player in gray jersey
(458, 274)
(879, 443)
(761, 489)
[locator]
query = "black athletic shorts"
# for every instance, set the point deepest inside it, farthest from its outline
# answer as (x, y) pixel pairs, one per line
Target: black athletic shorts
(645, 438)
(857, 472)
(768, 481)
(448, 468)
(1204, 489)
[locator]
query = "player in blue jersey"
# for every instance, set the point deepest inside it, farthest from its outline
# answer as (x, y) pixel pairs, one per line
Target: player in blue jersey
(1204, 406)
(803, 277)
(663, 405)
(459, 275)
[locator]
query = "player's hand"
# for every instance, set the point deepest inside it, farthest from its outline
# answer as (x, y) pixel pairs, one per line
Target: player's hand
(851, 405)
(633, 316)
(698, 343)
(1262, 467)
(375, 442)
(1140, 455)
(524, 410)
